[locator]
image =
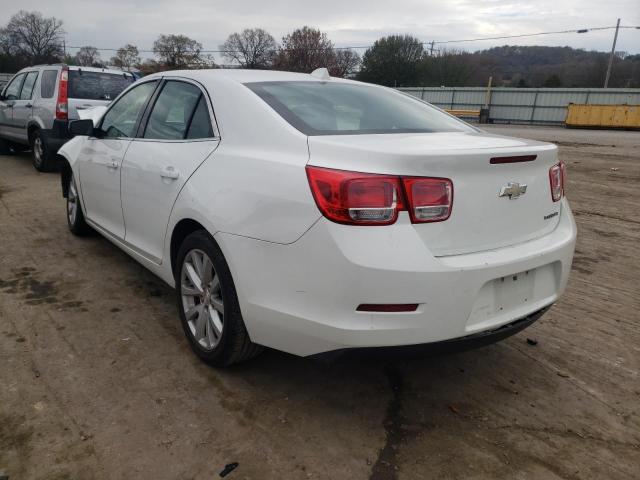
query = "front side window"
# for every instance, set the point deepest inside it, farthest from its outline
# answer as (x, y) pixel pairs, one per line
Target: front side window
(27, 87)
(12, 92)
(122, 118)
(336, 108)
(173, 111)
(97, 85)
(48, 83)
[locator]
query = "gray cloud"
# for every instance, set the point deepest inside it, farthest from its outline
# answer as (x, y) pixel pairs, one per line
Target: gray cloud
(112, 23)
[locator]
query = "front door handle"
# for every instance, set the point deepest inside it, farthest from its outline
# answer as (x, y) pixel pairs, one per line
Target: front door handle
(113, 164)
(28, 105)
(170, 173)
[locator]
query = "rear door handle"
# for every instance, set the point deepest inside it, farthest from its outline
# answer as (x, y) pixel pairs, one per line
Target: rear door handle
(28, 105)
(113, 164)
(170, 172)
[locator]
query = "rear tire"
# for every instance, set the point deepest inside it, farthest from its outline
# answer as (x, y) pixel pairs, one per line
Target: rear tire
(208, 304)
(75, 217)
(43, 158)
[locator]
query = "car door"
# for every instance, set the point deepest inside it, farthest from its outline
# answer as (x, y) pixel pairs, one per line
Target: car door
(101, 157)
(176, 136)
(23, 106)
(10, 95)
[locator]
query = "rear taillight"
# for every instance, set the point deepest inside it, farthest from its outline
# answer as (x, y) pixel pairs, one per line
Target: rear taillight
(355, 198)
(62, 104)
(556, 180)
(430, 199)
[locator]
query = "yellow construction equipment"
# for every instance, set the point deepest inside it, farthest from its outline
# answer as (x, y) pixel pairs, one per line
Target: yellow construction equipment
(603, 116)
(463, 113)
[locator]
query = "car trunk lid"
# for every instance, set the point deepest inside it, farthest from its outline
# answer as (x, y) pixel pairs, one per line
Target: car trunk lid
(481, 218)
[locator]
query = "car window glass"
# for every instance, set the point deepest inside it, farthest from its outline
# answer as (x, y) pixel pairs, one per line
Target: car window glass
(13, 89)
(172, 111)
(336, 108)
(48, 83)
(97, 85)
(122, 117)
(200, 122)
(27, 87)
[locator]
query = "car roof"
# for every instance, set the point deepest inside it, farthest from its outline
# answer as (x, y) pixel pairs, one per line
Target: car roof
(239, 75)
(75, 68)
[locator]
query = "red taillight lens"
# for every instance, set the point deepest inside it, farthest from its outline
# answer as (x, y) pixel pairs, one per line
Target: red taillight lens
(356, 198)
(430, 199)
(62, 104)
(556, 180)
(369, 199)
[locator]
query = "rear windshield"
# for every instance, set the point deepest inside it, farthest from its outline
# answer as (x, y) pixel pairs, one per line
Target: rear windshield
(97, 85)
(333, 108)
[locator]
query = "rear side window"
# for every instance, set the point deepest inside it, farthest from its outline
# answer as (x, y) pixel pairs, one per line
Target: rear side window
(172, 112)
(97, 85)
(48, 83)
(12, 91)
(200, 122)
(27, 87)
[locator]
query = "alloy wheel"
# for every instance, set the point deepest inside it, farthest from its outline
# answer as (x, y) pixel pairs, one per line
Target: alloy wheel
(38, 150)
(202, 299)
(72, 201)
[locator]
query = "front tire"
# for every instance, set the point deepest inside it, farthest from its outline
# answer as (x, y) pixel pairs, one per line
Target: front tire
(43, 158)
(208, 304)
(75, 217)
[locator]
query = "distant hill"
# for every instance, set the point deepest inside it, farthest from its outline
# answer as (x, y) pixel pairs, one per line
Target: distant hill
(535, 66)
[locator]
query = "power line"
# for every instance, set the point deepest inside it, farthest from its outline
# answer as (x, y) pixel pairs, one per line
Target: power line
(431, 44)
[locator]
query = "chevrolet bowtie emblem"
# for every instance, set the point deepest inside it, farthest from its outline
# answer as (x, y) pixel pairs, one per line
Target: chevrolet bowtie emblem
(513, 190)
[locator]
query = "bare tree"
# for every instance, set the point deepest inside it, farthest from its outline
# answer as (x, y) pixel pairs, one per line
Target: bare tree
(126, 57)
(180, 51)
(251, 48)
(346, 62)
(304, 50)
(87, 56)
(33, 36)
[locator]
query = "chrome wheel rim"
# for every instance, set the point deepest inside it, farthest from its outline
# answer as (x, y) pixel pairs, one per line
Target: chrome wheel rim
(72, 201)
(37, 149)
(202, 299)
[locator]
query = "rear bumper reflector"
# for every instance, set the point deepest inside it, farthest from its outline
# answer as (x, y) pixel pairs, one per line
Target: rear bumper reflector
(387, 307)
(516, 159)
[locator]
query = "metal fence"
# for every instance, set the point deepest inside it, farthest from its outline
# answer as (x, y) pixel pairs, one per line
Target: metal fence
(524, 105)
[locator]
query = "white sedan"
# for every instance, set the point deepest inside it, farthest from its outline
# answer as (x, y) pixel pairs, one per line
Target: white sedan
(318, 215)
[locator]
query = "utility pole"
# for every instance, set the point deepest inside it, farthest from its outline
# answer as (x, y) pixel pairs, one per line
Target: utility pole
(431, 48)
(613, 52)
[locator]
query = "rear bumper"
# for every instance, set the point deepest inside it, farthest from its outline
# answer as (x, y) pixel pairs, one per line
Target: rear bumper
(461, 344)
(57, 136)
(302, 298)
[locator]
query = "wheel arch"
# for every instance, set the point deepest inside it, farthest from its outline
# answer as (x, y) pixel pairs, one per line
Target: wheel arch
(182, 230)
(65, 173)
(32, 127)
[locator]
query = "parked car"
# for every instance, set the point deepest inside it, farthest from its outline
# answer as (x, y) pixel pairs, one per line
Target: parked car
(38, 102)
(314, 214)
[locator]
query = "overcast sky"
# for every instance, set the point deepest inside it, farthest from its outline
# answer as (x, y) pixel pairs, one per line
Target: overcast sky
(112, 23)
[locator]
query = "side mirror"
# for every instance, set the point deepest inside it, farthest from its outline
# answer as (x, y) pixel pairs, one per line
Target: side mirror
(81, 127)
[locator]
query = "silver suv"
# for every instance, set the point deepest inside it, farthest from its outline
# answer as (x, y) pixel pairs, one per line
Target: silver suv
(37, 104)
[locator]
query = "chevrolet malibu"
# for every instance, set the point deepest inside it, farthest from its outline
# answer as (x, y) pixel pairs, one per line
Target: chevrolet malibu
(318, 215)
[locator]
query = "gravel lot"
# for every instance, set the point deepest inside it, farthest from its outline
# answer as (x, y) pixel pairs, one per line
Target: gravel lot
(97, 381)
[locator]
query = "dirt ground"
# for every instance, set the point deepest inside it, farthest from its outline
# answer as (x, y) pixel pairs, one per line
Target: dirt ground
(97, 381)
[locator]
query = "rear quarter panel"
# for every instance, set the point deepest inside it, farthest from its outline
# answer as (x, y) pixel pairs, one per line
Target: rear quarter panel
(255, 183)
